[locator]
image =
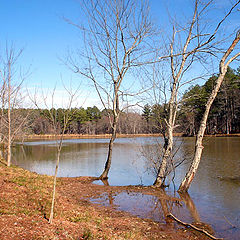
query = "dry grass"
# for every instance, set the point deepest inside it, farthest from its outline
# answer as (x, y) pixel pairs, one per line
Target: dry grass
(25, 205)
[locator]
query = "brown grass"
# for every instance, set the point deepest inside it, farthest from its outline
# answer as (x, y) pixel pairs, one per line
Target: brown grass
(25, 204)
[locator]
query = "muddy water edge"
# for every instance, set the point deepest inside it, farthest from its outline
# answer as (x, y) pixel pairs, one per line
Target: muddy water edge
(213, 200)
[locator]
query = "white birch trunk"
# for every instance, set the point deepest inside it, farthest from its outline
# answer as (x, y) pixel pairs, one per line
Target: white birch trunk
(185, 184)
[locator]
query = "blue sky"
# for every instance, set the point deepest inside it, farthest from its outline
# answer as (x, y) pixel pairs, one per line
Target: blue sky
(38, 27)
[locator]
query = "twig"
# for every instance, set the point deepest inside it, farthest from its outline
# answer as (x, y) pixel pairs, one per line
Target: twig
(192, 226)
(229, 222)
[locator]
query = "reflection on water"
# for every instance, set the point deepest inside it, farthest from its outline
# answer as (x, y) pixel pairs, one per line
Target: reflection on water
(214, 198)
(86, 157)
(158, 208)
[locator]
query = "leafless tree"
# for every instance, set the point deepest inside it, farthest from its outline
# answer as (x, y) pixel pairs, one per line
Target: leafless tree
(189, 44)
(115, 38)
(58, 131)
(223, 65)
(12, 121)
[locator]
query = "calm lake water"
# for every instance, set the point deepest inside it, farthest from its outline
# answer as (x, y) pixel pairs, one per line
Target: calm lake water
(212, 200)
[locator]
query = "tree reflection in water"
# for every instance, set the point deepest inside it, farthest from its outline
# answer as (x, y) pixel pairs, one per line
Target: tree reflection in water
(156, 207)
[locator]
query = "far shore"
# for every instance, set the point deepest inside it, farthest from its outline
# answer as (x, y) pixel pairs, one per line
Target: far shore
(92, 136)
(99, 136)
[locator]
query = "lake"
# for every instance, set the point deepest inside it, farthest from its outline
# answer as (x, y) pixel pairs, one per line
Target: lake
(213, 197)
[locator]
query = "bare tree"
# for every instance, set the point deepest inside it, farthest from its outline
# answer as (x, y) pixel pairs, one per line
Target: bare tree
(11, 98)
(115, 44)
(189, 44)
(224, 63)
(58, 127)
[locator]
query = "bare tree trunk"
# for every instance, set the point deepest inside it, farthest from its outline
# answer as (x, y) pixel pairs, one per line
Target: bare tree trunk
(168, 145)
(104, 175)
(176, 73)
(198, 145)
(9, 116)
(159, 182)
(185, 184)
(9, 153)
(10, 98)
(55, 183)
(59, 130)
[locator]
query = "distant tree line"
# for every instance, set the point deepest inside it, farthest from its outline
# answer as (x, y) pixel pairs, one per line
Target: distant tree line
(88, 120)
(224, 116)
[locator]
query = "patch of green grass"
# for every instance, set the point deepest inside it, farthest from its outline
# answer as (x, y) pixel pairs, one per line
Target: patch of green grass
(98, 221)
(5, 212)
(20, 180)
(128, 235)
(81, 217)
(87, 234)
(25, 211)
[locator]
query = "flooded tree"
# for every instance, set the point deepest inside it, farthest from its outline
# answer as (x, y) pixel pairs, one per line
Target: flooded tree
(115, 44)
(223, 66)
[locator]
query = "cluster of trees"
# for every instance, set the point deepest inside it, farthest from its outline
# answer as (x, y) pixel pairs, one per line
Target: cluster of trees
(88, 120)
(120, 43)
(224, 116)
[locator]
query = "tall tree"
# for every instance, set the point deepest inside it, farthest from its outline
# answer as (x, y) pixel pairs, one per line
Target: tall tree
(115, 38)
(147, 111)
(223, 66)
(12, 79)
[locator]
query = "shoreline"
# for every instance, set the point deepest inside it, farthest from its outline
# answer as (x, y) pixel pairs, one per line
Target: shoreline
(107, 136)
(25, 199)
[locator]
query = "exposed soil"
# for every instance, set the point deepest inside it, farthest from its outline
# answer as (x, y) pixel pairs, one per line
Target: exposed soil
(25, 199)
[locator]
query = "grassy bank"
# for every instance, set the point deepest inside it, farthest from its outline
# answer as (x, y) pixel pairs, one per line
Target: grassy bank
(25, 204)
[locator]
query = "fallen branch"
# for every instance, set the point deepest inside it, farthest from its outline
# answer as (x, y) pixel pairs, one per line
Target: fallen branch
(192, 226)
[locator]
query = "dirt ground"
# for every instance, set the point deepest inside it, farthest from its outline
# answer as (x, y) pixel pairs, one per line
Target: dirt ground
(25, 200)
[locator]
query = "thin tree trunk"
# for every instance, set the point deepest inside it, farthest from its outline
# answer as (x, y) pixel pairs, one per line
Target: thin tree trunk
(198, 145)
(168, 145)
(9, 117)
(104, 175)
(159, 182)
(176, 76)
(54, 186)
(9, 153)
(116, 113)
